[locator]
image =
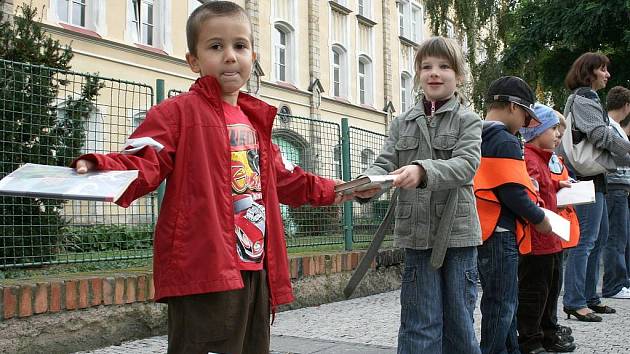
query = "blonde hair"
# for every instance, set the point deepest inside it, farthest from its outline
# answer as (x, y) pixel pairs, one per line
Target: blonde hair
(440, 47)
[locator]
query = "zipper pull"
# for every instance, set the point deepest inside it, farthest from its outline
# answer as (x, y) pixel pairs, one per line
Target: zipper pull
(432, 108)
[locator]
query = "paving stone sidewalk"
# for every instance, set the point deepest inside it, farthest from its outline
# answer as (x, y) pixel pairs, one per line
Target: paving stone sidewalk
(369, 325)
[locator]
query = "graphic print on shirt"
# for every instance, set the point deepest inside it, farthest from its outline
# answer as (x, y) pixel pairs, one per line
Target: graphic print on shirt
(249, 211)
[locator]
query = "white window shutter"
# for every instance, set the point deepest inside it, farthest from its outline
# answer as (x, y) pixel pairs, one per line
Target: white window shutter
(165, 28)
(98, 10)
(131, 32)
(52, 11)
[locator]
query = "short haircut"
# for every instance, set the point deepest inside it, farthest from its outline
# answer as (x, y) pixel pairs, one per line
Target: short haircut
(617, 98)
(499, 105)
(440, 47)
(207, 11)
(582, 71)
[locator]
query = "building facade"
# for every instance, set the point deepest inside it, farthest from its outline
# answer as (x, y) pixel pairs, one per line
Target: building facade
(316, 58)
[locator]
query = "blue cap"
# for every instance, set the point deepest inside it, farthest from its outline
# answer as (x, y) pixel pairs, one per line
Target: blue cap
(547, 118)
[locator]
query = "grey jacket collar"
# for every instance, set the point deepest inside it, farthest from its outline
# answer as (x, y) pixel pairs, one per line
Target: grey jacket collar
(418, 110)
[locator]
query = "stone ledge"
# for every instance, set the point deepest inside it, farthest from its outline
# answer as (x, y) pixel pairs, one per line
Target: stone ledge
(26, 298)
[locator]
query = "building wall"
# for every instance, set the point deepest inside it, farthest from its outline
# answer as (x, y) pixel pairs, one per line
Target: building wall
(109, 51)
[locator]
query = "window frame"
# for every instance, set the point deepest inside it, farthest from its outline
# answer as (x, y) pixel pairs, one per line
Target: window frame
(367, 96)
(289, 51)
(69, 12)
(406, 91)
(364, 8)
(342, 68)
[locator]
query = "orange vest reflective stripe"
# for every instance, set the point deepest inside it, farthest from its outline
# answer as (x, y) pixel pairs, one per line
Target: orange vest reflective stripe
(569, 212)
(494, 172)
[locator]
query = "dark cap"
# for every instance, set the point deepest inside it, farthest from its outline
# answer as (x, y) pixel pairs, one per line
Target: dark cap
(513, 89)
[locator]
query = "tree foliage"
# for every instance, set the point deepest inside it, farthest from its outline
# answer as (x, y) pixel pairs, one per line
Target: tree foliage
(536, 39)
(32, 129)
(549, 35)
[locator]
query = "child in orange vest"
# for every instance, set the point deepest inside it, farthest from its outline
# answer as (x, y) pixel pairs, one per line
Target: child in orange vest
(539, 272)
(506, 202)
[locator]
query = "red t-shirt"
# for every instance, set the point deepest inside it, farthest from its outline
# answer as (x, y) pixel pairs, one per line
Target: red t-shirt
(249, 209)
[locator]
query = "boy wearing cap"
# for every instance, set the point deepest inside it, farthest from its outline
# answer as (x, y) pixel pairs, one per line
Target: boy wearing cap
(506, 202)
(539, 271)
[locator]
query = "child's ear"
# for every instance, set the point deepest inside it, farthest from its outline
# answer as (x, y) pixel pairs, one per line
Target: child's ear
(193, 62)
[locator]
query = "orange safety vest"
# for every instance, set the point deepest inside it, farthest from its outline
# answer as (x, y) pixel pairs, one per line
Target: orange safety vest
(492, 173)
(569, 212)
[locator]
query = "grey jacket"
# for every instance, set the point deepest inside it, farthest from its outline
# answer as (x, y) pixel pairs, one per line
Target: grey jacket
(619, 179)
(442, 213)
(589, 118)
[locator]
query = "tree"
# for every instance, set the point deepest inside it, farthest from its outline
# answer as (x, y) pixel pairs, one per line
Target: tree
(32, 68)
(547, 36)
(482, 23)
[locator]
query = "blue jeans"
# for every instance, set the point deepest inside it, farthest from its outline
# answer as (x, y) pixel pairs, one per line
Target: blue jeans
(498, 270)
(615, 271)
(582, 263)
(437, 305)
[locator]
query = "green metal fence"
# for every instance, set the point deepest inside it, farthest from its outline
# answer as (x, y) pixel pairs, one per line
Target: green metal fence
(51, 116)
(365, 145)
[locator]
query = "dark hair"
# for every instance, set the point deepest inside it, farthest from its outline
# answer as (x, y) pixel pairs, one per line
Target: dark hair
(207, 11)
(618, 97)
(581, 72)
(499, 105)
(624, 122)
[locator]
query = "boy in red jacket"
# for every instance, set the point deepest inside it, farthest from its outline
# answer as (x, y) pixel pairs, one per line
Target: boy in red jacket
(219, 259)
(539, 272)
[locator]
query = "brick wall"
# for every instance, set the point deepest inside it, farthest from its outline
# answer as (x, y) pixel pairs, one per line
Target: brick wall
(25, 298)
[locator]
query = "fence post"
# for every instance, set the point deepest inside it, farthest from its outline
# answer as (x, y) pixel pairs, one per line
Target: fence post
(347, 206)
(159, 94)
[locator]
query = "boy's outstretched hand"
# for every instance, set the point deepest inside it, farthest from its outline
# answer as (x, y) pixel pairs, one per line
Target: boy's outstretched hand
(84, 166)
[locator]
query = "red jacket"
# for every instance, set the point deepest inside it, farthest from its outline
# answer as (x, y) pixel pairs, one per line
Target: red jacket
(186, 141)
(537, 161)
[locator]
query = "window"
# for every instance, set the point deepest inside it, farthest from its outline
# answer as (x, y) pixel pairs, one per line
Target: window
(284, 111)
(416, 24)
(365, 80)
(72, 11)
(365, 8)
(367, 158)
(339, 72)
(410, 20)
(337, 160)
(94, 134)
(283, 53)
(148, 23)
(401, 19)
(283, 34)
(405, 91)
(143, 20)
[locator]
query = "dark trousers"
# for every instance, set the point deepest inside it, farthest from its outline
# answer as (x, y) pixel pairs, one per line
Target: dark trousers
(234, 322)
(538, 290)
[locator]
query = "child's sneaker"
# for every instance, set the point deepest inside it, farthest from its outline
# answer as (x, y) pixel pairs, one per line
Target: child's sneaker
(624, 293)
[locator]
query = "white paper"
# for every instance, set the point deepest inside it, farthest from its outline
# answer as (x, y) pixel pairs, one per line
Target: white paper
(582, 192)
(560, 226)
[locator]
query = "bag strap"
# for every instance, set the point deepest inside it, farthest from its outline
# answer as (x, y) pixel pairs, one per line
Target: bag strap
(372, 251)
